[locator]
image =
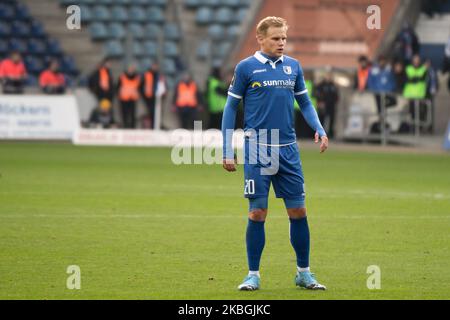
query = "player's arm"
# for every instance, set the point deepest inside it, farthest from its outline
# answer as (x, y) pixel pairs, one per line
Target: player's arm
(228, 124)
(236, 92)
(308, 110)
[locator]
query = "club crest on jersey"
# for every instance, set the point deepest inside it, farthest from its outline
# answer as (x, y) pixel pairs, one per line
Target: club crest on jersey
(287, 69)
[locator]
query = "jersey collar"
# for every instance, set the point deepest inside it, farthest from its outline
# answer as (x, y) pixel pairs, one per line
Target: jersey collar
(264, 60)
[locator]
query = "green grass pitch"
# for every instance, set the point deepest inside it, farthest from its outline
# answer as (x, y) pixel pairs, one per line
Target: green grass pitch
(140, 227)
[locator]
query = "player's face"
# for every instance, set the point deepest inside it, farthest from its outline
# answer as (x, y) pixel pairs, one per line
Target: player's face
(274, 42)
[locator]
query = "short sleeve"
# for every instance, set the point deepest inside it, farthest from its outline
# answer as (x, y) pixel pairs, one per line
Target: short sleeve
(238, 84)
(300, 86)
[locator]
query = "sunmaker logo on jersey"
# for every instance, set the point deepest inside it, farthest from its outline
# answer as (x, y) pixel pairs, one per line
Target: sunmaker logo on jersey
(284, 84)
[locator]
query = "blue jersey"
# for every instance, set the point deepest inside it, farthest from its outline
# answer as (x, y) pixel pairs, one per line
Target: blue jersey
(267, 89)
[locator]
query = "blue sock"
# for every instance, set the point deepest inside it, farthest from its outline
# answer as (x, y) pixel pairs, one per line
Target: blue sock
(299, 233)
(256, 239)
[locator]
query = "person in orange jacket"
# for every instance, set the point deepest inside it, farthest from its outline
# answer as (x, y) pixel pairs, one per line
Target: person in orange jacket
(13, 74)
(149, 84)
(51, 80)
(128, 93)
(187, 101)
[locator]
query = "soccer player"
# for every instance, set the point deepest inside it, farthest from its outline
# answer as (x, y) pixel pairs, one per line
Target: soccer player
(267, 83)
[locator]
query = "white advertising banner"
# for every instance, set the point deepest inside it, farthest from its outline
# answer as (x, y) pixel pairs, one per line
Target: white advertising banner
(38, 117)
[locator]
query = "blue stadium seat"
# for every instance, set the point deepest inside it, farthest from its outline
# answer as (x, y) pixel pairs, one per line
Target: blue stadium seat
(4, 47)
(31, 80)
(168, 67)
(137, 14)
(216, 31)
(172, 32)
(98, 31)
(113, 49)
(101, 13)
(86, 14)
(5, 29)
(68, 66)
(150, 49)
(136, 30)
(192, 4)
(211, 3)
(236, 3)
(123, 2)
(37, 46)
(119, 14)
(53, 47)
(224, 15)
(141, 2)
(170, 49)
(145, 64)
(37, 30)
(159, 3)
(7, 11)
(204, 16)
(22, 12)
(155, 15)
(106, 2)
(233, 31)
(116, 30)
(222, 49)
(20, 29)
(34, 65)
(241, 15)
(152, 31)
(137, 49)
(16, 44)
(203, 50)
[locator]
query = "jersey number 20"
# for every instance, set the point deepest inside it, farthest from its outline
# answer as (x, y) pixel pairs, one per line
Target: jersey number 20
(249, 187)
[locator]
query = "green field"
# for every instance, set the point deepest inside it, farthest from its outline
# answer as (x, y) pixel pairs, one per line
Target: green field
(142, 228)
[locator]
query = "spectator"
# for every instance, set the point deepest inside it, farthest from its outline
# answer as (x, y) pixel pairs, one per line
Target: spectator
(128, 91)
(432, 89)
(187, 101)
(362, 75)
(406, 44)
(382, 82)
(446, 64)
(51, 80)
(148, 89)
(400, 77)
(327, 95)
(416, 86)
(102, 116)
(217, 92)
(101, 82)
(13, 74)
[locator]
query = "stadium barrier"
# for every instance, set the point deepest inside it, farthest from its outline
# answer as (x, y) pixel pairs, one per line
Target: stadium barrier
(38, 117)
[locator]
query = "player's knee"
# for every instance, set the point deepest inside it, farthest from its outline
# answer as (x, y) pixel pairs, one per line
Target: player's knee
(258, 215)
(297, 213)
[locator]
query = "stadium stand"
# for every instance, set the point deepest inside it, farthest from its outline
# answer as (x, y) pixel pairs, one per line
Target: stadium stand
(20, 31)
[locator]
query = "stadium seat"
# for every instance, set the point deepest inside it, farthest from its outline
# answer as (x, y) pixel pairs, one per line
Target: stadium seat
(86, 14)
(155, 15)
(106, 2)
(20, 29)
(5, 29)
(222, 49)
(101, 13)
(32, 80)
(68, 66)
(37, 47)
(224, 15)
(210, 3)
(22, 12)
(98, 31)
(233, 31)
(113, 49)
(137, 14)
(16, 44)
(172, 32)
(236, 3)
(53, 47)
(136, 30)
(7, 11)
(123, 2)
(116, 31)
(37, 30)
(216, 31)
(141, 2)
(4, 47)
(170, 49)
(150, 49)
(203, 50)
(168, 67)
(204, 16)
(137, 49)
(159, 3)
(119, 14)
(192, 4)
(145, 64)
(34, 65)
(152, 31)
(241, 15)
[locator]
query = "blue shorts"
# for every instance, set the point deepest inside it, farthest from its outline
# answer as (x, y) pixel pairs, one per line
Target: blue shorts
(261, 169)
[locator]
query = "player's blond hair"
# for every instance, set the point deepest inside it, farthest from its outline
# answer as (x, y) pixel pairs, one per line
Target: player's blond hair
(267, 22)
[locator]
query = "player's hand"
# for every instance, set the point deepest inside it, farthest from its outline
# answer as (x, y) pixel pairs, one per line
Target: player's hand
(229, 164)
(323, 143)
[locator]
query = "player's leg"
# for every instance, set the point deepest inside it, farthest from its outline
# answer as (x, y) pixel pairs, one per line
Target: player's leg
(289, 185)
